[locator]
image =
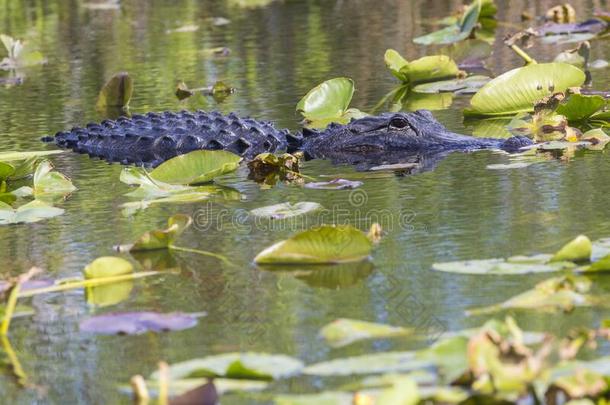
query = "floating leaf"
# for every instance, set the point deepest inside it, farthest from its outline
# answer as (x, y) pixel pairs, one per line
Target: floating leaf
(512, 265)
(136, 323)
(249, 365)
(342, 332)
(223, 385)
(404, 391)
(47, 181)
(108, 266)
(554, 294)
(335, 184)
(268, 169)
(579, 107)
(13, 156)
(19, 56)
(322, 398)
(182, 29)
(388, 362)
(456, 32)
(597, 138)
(397, 65)
(468, 85)
(426, 69)
(325, 244)
(578, 56)
(33, 211)
(328, 102)
(6, 171)
(116, 92)
(163, 238)
(199, 166)
(286, 210)
(517, 90)
(577, 250)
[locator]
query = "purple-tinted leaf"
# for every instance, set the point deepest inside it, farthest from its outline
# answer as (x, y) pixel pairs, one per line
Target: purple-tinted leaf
(203, 395)
(135, 323)
(336, 184)
(592, 26)
(28, 285)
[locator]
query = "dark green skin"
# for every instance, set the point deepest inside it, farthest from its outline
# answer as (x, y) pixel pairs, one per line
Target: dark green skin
(383, 139)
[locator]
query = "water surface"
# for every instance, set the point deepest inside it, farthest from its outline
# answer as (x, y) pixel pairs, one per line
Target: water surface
(461, 210)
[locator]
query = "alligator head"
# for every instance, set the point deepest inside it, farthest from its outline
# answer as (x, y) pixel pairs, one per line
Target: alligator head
(395, 137)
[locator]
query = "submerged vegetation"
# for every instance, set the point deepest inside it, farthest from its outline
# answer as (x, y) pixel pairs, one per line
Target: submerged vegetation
(495, 362)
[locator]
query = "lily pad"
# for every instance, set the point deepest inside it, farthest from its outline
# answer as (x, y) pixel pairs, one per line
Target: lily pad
(47, 181)
(468, 85)
(512, 265)
(335, 184)
(555, 294)
(249, 365)
(388, 362)
(577, 250)
(108, 266)
(517, 90)
(322, 398)
(426, 69)
(200, 166)
(137, 323)
(33, 211)
(286, 210)
(163, 238)
(455, 32)
(329, 102)
(325, 244)
(579, 107)
(116, 92)
(13, 156)
(343, 332)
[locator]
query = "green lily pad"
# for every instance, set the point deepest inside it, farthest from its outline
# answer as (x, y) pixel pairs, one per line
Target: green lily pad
(199, 166)
(397, 65)
(322, 398)
(512, 265)
(252, 366)
(577, 250)
(12, 156)
(343, 332)
(517, 90)
(579, 107)
(47, 181)
(163, 238)
(449, 355)
(286, 210)
(116, 92)
(6, 171)
(426, 69)
(463, 86)
(554, 294)
(329, 99)
(33, 211)
(223, 385)
(404, 391)
(325, 244)
(388, 362)
(328, 102)
(428, 101)
(597, 139)
(108, 266)
(456, 32)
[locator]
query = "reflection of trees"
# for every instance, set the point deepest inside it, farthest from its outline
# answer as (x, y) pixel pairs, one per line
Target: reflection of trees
(278, 54)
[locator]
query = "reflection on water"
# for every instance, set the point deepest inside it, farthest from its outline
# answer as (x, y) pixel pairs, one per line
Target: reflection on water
(277, 53)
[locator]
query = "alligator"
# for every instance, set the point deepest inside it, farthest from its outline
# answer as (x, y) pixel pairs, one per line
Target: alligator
(152, 138)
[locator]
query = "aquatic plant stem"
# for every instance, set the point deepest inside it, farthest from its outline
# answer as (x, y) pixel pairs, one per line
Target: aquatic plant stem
(140, 391)
(87, 283)
(203, 253)
(17, 369)
(528, 59)
(11, 303)
(163, 383)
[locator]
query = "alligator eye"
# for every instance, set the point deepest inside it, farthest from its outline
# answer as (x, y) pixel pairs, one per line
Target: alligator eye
(399, 123)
